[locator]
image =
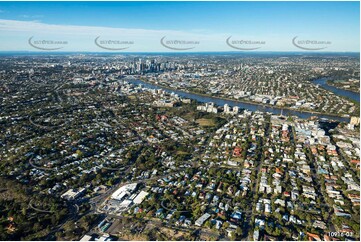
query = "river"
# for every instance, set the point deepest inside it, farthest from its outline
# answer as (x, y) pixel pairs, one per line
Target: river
(354, 96)
(240, 104)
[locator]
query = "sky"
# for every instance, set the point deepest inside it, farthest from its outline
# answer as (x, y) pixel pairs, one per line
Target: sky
(180, 26)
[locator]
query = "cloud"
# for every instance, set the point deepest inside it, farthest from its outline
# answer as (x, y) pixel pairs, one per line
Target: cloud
(35, 27)
(15, 35)
(31, 16)
(83, 37)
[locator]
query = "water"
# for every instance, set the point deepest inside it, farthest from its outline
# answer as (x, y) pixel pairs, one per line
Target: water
(252, 107)
(348, 94)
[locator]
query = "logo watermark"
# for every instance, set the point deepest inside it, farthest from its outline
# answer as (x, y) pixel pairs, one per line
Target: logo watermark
(47, 44)
(113, 44)
(310, 44)
(244, 44)
(178, 44)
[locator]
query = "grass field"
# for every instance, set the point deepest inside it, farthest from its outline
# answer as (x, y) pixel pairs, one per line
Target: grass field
(179, 152)
(205, 122)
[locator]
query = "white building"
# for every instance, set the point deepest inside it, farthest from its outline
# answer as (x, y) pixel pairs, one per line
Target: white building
(227, 108)
(72, 194)
(199, 222)
(140, 197)
(86, 238)
(235, 109)
(124, 191)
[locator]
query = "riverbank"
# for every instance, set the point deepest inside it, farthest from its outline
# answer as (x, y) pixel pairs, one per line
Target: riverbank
(252, 105)
(332, 83)
(349, 95)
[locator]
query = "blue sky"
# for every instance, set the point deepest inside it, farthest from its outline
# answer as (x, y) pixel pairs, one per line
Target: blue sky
(205, 25)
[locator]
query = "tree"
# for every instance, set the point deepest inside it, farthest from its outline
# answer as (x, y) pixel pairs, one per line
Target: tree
(239, 231)
(37, 227)
(59, 235)
(225, 225)
(196, 212)
(23, 211)
(208, 224)
(79, 153)
(98, 177)
(277, 232)
(233, 236)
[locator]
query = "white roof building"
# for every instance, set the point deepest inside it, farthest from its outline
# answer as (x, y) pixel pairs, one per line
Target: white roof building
(141, 196)
(124, 190)
(86, 238)
(199, 222)
(72, 194)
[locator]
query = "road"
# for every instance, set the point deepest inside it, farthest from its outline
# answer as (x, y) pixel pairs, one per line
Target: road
(99, 200)
(37, 209)
(255, 187)
(73, 213)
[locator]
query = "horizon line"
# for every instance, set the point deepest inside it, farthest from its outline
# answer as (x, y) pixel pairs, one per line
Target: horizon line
(179, 52)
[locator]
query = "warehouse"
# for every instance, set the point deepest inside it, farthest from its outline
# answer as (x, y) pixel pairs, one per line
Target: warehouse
(141, 196)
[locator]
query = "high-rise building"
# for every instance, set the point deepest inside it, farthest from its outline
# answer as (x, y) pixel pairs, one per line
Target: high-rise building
(355, 120)
(235, 109)
(227, 108)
